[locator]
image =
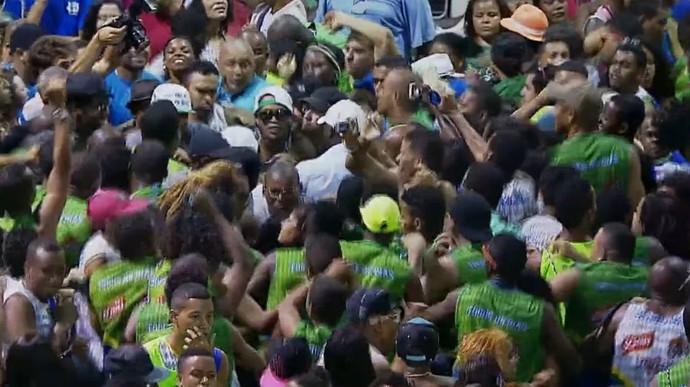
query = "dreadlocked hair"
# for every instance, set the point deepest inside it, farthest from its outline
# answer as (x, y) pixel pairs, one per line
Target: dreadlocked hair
(218, 176)
(492, 342)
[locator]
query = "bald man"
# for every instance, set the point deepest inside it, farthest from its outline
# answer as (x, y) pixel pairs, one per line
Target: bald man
(237, 67)
(393, 98)
(257, 41)
(647, 336)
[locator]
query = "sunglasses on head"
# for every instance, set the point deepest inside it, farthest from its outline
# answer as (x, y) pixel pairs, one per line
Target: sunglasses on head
(267, 115)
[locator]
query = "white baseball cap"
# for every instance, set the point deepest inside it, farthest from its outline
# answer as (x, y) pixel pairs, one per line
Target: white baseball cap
(176, 94)
(342, 111)
(273, 95)
(439, 63)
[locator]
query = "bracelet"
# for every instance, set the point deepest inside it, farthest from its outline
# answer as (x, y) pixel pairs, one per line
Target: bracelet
(60, 114)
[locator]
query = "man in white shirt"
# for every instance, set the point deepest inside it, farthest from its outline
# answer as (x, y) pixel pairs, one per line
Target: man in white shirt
(321, 177)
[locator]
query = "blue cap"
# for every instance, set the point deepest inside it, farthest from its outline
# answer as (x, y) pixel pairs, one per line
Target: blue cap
(417, 341)
(368, 302)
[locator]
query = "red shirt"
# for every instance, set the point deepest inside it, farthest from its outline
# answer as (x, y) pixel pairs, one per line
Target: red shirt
(159, 32)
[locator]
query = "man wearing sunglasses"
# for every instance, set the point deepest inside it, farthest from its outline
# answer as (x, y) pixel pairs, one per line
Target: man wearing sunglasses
(274, 120)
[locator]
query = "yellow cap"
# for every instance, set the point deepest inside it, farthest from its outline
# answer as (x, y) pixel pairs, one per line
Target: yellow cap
(381, 215)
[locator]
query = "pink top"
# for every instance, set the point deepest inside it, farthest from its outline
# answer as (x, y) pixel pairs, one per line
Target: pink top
(270, 380)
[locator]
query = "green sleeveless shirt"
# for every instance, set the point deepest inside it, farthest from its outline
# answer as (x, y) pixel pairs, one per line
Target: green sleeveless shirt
(73, 229)
(520, 315)
(470, 262)
(553, 264)
(115, 290)
(290, 271)
(603, 160)
(150, 192)
(602, 286)
(676, 376)
(316, 336)
(377, 266)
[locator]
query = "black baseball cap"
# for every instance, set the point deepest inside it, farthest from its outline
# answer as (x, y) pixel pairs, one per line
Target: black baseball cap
(142, 91)
(83, 87)
(209, 143)
(471, 214)
(417, 341)
(323, 98)
(24, 36)
(305, 87)
(368, 302)
(132, 362)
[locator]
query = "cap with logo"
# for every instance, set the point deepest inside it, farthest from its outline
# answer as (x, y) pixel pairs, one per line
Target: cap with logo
(176, 94)
(365, 303)
(273, 95)
(417, 341)
(381, 215)
(323, 98)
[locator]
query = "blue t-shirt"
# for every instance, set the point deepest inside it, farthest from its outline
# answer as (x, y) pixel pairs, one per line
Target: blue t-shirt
(366, 83)
(243, 100)
(410, 21)
(118, 97)
(61, 17)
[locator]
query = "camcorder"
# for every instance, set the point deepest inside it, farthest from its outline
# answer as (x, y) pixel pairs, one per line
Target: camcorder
(423, 94)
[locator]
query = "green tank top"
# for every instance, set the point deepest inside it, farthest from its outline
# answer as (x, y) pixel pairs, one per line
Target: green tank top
(316, 336)
(602, 286)
(73, 229)
(553, 264)
(520, 315)
(470, 262)
(641, 254)
(676, 376)
(115, 290)
(150, 192)
(377, 266)
(38, 198)
(290, 271)
(601, 159)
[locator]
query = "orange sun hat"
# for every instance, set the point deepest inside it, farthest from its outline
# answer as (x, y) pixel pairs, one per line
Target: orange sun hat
(528, 21)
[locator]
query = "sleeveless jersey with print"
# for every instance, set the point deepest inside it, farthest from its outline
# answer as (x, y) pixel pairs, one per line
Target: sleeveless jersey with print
(44, 319)
(645, 344)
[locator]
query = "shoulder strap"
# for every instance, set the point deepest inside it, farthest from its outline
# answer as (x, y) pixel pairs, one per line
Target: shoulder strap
(607, 319)
(218, 358)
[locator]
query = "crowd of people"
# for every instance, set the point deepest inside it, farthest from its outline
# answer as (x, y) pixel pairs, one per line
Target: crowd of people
(338, 193)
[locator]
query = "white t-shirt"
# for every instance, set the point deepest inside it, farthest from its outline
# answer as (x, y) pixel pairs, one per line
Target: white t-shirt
(263, 16)
(95, 247)
(321, 177)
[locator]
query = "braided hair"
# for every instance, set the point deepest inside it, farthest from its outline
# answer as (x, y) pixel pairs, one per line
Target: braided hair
(219, 176)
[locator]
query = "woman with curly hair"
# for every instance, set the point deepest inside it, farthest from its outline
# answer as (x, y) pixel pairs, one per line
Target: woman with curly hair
(493, 343)
(101, 13)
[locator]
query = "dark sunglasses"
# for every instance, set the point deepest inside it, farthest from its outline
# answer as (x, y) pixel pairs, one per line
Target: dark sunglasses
(267, 115)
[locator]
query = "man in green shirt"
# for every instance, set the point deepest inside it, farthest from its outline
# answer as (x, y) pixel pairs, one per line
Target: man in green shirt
(589, 290)
(531, 322)
(601, 159)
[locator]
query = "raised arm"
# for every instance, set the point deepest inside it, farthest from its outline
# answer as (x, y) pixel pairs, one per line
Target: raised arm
(237, 276)
(57, 185)
(104, 37)
(384, 42)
